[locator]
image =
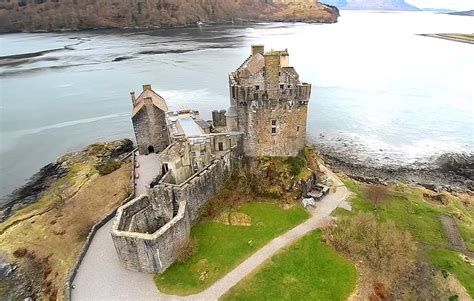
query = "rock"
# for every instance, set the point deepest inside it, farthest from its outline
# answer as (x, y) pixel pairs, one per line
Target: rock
(41, 181)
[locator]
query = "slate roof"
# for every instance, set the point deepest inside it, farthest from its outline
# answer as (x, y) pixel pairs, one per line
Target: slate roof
(157, 100)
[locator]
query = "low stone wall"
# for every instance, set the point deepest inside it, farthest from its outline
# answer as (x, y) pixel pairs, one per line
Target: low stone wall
(154, 253)
(92, 232)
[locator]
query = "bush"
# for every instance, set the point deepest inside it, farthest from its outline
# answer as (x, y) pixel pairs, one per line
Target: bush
(184, 252)
(109, 167)
(20, 252)
(387, 251)
(296, 163)
(376, 194)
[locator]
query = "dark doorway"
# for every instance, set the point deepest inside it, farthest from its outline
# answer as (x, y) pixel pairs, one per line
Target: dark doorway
(164, 168)
(151, 149)
(220, 145)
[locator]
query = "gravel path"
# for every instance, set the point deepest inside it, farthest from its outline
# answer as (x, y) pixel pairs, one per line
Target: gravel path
(101, 276)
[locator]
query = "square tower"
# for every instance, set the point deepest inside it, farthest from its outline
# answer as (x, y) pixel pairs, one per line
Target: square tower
(269, 104)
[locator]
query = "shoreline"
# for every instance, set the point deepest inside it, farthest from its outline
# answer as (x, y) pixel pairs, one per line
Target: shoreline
(462, 38)
(450, 172)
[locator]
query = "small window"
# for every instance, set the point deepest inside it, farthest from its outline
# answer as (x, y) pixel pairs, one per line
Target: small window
(193, 154)
(274, 130)
(203, 152)
(274, 122)
(220, 146)
(297, 128)
(282, 87)
(289, 86)
(163, 127)
(279, 73)
(264, 74)
(257, 87)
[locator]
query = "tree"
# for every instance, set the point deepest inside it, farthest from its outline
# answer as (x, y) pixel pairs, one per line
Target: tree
(376, 194)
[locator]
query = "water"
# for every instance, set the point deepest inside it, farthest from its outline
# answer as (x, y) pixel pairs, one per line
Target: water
(380, 92)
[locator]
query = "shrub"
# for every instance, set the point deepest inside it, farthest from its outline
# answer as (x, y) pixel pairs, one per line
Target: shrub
(109, 167)
(296, 164)
(186, 250)
(20, 252)
(389, 252)
(376, 194)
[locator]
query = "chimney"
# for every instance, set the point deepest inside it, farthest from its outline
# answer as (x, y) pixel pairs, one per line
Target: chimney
(258, 49)
(132, 94)
(272, 73)
(146, 87)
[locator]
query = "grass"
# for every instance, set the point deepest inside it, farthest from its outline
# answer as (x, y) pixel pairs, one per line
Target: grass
(307, 270)
(222, 247)
(451, 261)
(409, 210)
(53, 230)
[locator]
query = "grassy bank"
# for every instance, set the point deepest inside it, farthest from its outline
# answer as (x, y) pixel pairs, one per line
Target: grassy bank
(45, 238)
(222, 247)
(307, 270)
(419, 212)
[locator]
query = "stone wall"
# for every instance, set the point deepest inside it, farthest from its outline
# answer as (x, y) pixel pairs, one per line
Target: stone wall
(155, 252)
(149, 125)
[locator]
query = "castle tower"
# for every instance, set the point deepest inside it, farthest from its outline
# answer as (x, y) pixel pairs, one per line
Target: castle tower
(269, 104)
(149, 121)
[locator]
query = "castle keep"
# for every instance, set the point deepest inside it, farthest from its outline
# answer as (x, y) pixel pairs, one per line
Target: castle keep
(269, 104)
(267, 117)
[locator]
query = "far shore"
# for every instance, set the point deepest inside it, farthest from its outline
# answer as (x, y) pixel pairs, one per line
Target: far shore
(456, 37)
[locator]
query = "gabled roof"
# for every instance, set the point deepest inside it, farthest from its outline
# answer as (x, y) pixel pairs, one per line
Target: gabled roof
(156, 99)
(253, 64)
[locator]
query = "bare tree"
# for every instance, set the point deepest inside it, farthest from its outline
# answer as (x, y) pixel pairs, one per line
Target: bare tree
(376, 194)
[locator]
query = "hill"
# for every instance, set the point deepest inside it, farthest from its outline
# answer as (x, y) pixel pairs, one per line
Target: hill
(56, 15)
(463, 13)
(392, 5)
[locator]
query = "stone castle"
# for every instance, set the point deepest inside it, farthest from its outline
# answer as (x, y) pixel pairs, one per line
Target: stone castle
(267, 117)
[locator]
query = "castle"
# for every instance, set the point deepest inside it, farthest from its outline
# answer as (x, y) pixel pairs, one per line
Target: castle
(267, 117)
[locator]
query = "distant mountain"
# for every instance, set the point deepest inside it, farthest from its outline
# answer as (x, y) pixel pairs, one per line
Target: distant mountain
(392, 5)
(439, 10)
(463, 13)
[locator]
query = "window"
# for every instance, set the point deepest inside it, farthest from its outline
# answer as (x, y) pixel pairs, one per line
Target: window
(274, 130)
(282, 87)
(279, 73)
(193, 154)
(297, 128)
(163, 127)
(274, 122)
(289, 86)
(203, 152)
(257, 87)
(220, 146)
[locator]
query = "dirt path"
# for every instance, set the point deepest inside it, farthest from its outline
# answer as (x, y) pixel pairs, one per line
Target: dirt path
(101, 276)
(455, 239)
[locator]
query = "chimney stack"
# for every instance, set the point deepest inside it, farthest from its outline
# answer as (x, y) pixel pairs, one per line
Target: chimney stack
(258, 49)
(146, 87)
(132, 94)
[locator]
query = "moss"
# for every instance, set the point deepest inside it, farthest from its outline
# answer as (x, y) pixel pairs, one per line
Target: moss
(109, 167)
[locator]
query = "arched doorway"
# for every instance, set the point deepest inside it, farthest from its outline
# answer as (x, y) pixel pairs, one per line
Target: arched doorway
(151, 149)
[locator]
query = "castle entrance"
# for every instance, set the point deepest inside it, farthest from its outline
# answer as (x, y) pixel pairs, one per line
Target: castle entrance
(151, 149)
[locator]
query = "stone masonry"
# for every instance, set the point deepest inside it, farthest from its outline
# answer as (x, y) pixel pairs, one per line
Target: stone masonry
(268, 104)
(267, 117)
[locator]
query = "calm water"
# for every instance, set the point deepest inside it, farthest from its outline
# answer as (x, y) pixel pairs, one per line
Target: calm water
(381, 93)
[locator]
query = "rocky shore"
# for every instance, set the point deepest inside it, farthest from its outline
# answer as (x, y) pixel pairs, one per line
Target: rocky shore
(48, 175)
(450, 172)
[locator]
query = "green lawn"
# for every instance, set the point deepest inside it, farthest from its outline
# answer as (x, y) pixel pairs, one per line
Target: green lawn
(307, 270)
(409, 211)
(453, 263)
(222, 247)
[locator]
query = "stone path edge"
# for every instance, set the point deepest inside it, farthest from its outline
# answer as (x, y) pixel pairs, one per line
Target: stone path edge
(97, 226)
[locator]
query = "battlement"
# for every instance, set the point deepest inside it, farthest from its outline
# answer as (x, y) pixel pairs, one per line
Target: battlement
(269, 104)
